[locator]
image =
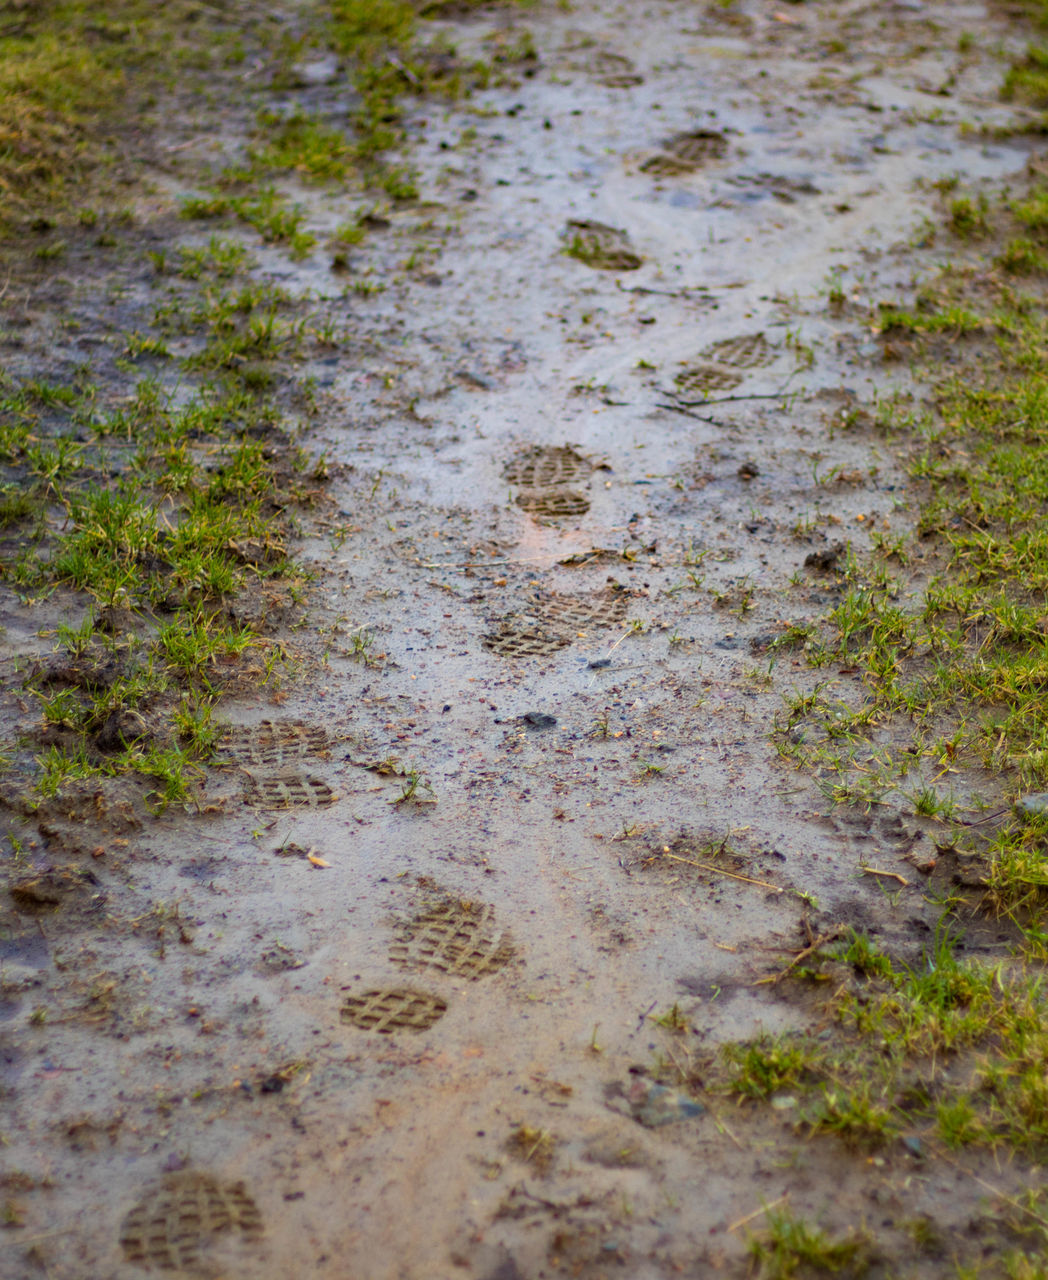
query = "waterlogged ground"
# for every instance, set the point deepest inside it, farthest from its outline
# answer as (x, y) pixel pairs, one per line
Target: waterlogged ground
(505, 840)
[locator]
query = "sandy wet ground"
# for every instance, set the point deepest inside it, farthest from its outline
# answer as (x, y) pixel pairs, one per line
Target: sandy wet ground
(393, 1004)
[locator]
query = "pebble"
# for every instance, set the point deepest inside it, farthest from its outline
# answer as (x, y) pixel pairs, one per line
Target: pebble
(320, 71)
(538, 720)
(1033, 806)
(653, 1105)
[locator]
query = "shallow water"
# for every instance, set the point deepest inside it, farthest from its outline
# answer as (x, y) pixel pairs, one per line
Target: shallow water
(594, 841)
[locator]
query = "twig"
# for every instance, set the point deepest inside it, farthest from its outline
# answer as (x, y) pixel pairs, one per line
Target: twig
(619, 641)
(688, 413)
(543, 1137)
(835, 932)
(888, 875)
(43, 1235)
(732, 875)
(184, 146)
(484, 564)
(757, 1213)
(699, 289)
(719, 1122)
(778, 395)
(977, 822)
(406, 72)
(994, 1191)
(546, 1204)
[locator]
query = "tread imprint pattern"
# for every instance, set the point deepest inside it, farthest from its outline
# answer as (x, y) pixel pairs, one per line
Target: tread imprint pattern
(456, 938)
(524, 642)
(705, 376)
(388, 1009)
(572, 612)
(559, 618)
(271, 745)
(598, 245)
(173, 1224)
(554, 502)
(546, 467)
(781, 187)
(686, 152)
(748, 351)
(717, 368)
(290, 791)
(613, 70)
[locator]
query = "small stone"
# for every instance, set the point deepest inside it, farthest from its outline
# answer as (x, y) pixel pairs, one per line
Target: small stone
(321, 71)
(1033, 806)
(653, 1105)
(538, 720)
(825, 560)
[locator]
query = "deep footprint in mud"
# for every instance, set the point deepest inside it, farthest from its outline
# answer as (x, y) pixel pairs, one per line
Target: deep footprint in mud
(612, 70)
(524, 642)
(686, 152)
(782, 188)
(175, 1224)
(554, 503)
(547, 467)
(290, 791)
(457, 938)
(390, 1009)
(272, 745)
(888, 829)
(571, 613)
(598, 245)
(719, 366)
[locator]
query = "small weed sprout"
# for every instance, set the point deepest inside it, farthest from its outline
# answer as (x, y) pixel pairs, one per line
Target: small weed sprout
(417, 789)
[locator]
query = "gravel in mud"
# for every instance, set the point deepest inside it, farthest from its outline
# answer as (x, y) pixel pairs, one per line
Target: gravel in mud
(578, 448)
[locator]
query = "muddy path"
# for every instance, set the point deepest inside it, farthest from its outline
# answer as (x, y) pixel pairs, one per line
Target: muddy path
(513, 844)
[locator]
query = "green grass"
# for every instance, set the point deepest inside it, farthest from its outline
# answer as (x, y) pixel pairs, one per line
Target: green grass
(392, 62)
(304, 146)
(193, 517)
(766, 1066)
(942, 1049)
(156, 511)
(72, 77)
(946, 626)
(1022, 256)
(788, 1246)
(954, 671)
(1027, 80)
(1032, 211)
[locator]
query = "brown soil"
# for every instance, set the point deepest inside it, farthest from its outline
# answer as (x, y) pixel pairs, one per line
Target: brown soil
(380, 1007)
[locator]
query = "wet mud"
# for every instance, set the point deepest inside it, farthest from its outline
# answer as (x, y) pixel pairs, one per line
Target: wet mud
(393, 1004)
